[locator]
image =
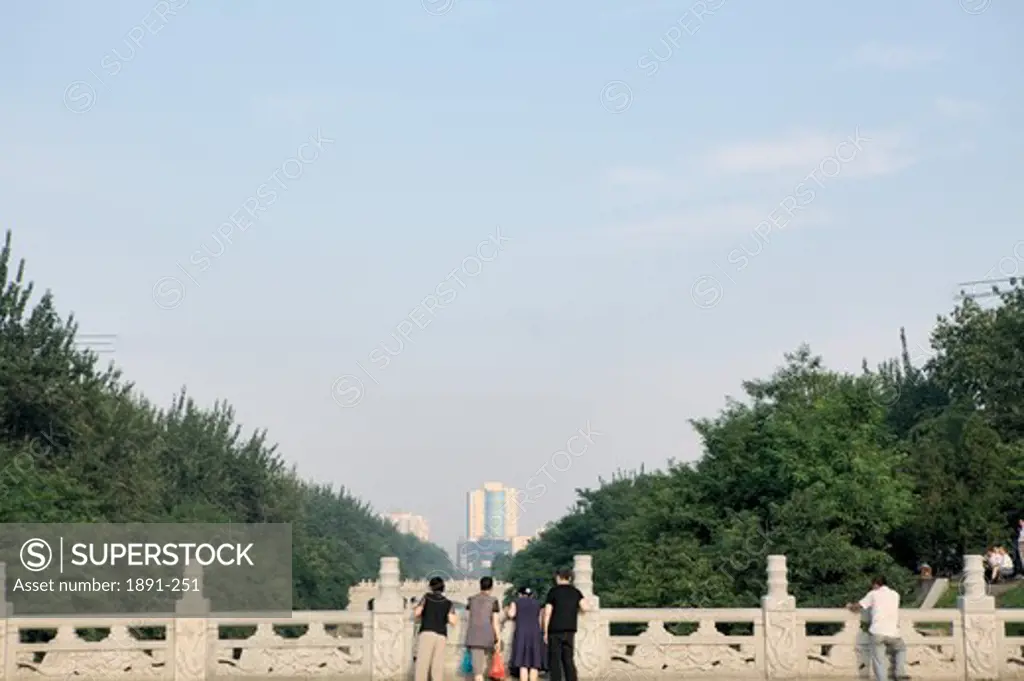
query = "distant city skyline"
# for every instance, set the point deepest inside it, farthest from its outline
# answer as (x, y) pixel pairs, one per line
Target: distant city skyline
(419, 526)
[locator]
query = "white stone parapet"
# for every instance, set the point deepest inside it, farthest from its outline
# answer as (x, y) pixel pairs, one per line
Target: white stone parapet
(776, 641)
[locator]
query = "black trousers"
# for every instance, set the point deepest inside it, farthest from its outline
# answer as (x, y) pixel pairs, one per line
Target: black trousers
(562, 655)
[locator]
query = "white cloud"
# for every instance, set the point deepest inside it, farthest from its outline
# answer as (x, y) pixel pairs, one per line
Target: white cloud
(878, 154)
(959, 109)
(711, 222)
(895, 57)
(761, 173)
(794, 152)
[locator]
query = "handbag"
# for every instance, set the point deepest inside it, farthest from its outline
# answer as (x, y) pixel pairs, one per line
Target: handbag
(466, 668)
(497, 666)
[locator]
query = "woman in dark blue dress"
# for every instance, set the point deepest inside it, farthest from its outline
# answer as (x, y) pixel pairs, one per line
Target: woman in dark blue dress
(527, 643)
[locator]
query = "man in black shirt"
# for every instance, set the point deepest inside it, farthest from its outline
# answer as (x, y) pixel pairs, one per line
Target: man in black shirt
(561, 614)
(435, 613)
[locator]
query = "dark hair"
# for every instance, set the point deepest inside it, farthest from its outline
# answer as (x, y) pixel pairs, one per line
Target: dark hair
(525, 591)
(565, 574)
(486, 583)
(437, 585)
(878, 581)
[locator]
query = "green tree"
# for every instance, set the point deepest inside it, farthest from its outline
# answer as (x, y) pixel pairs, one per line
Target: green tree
(807, 466)
(79, 444)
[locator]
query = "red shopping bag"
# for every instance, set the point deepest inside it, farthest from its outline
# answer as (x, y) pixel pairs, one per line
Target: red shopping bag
(497, 666)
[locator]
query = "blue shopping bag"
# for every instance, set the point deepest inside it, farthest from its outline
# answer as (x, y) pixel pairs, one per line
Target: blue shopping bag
(466, 668)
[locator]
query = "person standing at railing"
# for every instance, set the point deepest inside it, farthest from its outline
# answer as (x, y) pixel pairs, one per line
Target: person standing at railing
(887, 645)
(528, 654)
(561, 618)
(483, 628)
(435, 613)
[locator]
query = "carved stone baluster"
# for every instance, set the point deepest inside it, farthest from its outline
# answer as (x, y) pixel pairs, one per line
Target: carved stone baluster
(983, 639)
(392, 647)
(192, 649)
(785, 644)
(593, 656)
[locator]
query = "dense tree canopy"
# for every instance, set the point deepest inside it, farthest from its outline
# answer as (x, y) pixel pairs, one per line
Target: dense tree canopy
(847, 475)
(79, 444)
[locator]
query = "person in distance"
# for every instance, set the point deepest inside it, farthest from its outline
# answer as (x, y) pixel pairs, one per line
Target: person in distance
(483, 627)
(435, 613)
(561, 618)
(887, 645)
(528, 653)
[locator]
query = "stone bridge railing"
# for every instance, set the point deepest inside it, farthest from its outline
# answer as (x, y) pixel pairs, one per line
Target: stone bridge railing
(776, 641)
(458, 590)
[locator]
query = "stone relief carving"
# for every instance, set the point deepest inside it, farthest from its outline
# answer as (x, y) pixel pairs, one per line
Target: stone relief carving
(933, 660)
(293, 661)
(1013, 656)
(388, 646)
(980, 643)
(785, 649)
(590, 651)
(190, 649)
(703, 651)
(315, 653)
(132, 660)
(840, 652)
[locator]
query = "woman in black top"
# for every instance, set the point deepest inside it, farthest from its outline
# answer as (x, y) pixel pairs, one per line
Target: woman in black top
(435, 613)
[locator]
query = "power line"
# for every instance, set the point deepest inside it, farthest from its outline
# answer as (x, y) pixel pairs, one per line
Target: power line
(993, 285)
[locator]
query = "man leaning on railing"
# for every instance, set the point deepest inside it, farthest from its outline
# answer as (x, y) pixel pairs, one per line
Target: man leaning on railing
(886, 644)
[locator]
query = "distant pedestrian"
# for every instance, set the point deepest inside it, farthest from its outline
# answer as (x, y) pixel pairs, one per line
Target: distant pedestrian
(435, 613)
(1000, 564)
(483, 627)
(1018, 548)
(886, 643)
(561, 618)
(528, 654)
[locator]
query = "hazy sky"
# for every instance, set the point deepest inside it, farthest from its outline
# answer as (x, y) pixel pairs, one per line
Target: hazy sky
(625, 152)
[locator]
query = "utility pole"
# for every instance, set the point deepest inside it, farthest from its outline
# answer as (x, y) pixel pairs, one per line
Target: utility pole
(991, 288)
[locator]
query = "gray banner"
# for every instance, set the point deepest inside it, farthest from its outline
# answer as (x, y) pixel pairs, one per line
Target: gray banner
(159, 568)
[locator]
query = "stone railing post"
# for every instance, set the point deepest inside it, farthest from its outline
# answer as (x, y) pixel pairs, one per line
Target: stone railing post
(783, 639)
(983, 637)
(192, 642)
(592, 654)
(392, 651)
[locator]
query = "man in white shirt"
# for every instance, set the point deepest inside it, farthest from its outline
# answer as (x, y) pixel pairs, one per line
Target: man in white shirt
(884, 605)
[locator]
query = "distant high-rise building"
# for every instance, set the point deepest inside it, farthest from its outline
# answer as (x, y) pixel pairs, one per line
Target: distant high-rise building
(409, 523)
(519, 543)
(492, 512)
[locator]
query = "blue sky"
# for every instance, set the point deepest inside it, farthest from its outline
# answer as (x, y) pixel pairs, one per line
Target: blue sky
(630, 155)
